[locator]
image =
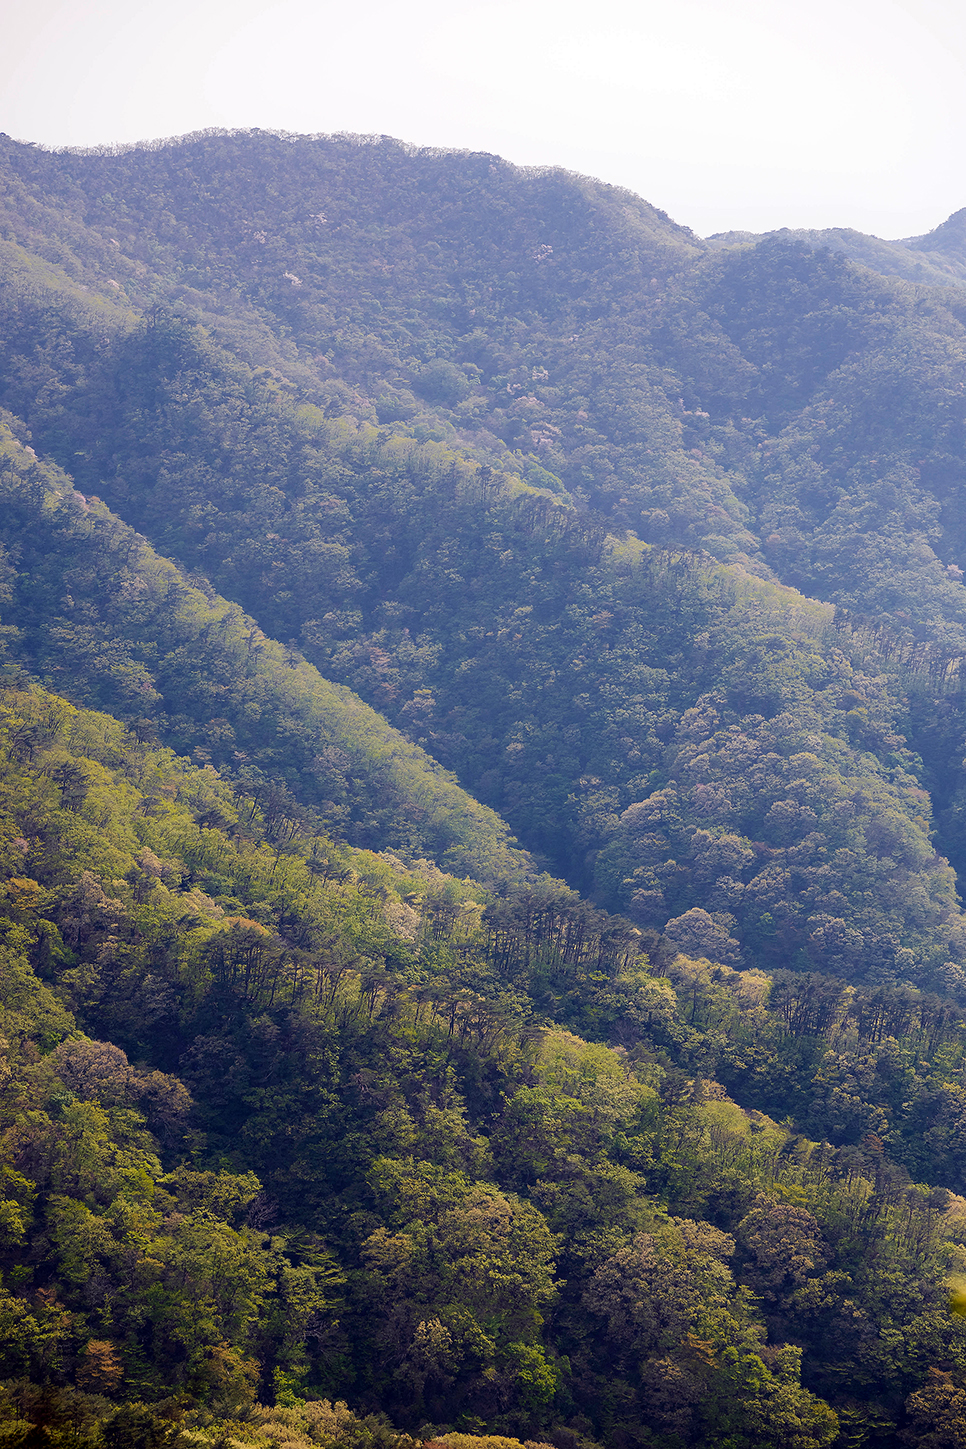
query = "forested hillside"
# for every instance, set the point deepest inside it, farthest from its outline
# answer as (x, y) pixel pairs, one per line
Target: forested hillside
(481, 799)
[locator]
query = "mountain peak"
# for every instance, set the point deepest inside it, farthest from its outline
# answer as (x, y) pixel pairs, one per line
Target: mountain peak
(949, 237)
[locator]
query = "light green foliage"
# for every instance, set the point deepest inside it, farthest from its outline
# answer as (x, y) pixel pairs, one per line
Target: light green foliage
(503, 1181)
(474, 1268)
(289, 1109)
(149, 649)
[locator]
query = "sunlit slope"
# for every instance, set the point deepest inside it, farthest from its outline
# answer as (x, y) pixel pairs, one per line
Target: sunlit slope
(418, 524)
(96, 608)
(780, 819)
(203, 1023)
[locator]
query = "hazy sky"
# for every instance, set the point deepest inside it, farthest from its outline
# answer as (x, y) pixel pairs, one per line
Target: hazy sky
(737, 114)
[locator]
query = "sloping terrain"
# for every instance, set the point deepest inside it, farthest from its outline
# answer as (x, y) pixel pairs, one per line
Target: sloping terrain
(419, 499)
(468, 591)
(937, 259)
(558, 326)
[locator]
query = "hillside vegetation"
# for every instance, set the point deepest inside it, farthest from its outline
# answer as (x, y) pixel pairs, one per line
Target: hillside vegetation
(481, 798)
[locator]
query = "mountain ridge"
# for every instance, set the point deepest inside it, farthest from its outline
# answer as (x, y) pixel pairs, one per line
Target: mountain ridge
(351, 471)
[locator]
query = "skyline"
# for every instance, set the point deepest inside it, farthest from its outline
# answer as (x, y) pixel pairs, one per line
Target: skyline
(734, 116)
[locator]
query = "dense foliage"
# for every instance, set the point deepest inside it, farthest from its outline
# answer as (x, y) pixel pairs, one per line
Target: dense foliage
(288, 1123)
(379, 497)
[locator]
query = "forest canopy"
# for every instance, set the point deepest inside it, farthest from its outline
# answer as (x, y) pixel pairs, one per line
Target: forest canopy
(482, 959)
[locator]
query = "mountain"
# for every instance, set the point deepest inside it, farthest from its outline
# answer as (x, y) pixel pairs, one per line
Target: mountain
(483, 792)
(937, 259)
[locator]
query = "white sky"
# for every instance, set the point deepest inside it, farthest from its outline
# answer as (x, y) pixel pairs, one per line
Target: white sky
(746, 114)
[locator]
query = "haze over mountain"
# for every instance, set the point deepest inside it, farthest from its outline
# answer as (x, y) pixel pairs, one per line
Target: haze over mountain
(563, 616)
(936, 259)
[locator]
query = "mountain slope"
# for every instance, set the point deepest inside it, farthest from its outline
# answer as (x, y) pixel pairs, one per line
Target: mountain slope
(389, 1179)
(560, 329)
(551, 667)
(93, 601)
(933, 260)
(569, 766)
(283, 1118)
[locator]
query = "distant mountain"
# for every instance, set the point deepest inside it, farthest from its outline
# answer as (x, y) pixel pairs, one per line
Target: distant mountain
(937, 259)
(947, 240)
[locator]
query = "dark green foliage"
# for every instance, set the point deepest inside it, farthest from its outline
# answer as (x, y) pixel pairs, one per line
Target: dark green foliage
(283, 1119)
(132, 633)
(544, 663)
(391, 1181)
(732, 826)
